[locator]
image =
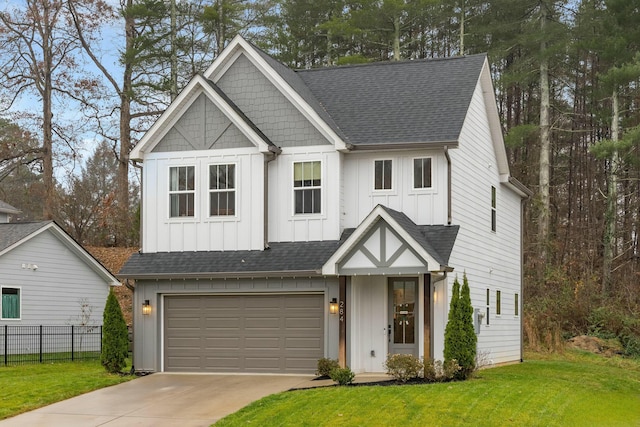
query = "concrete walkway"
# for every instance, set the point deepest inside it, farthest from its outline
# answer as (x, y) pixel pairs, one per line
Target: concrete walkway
(160, 400)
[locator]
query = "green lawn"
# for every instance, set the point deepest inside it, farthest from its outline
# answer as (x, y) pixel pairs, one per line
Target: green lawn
(569, 390)
(27, 387)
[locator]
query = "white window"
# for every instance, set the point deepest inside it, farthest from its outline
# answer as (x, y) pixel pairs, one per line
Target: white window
(498, 303)
(493, 208)
(222, 190)
(307, 187)
(382, 175)
(516, 307)
(422, 173)
(182, 191)
(10, 303)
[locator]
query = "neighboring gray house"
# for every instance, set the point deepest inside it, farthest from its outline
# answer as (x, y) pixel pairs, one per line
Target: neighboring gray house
(293, 215)
(46, 276)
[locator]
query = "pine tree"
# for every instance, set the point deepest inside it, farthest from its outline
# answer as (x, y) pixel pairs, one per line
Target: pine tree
(115, 341)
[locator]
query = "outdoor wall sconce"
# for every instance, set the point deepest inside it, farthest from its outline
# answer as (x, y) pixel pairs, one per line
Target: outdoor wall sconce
(333, 306)
(146, 307)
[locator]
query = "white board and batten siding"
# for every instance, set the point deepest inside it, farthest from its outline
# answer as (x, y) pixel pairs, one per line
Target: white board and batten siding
(491, 260)
(284, 224)
(423, 206)
(242, 231)
(53, 293)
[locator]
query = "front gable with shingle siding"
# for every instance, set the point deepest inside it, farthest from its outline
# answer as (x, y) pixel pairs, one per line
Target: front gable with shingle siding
(202, 127)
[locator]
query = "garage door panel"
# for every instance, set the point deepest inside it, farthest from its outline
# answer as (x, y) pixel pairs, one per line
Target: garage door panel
(244, 333)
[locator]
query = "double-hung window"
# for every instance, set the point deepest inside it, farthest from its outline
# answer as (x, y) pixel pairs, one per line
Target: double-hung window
(10, 303)
(422, 173)
(182, 191)
(222, 190)
(307, 187)
(382, 175)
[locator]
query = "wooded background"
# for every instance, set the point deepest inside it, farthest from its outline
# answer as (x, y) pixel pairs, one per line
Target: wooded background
(81, 80)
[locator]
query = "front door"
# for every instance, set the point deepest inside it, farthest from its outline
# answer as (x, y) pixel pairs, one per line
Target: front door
(403, 331)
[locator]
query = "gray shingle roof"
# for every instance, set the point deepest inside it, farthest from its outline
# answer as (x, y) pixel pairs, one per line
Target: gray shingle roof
(289, 258)
(397, 102)
(11, 233)
(7, 208)
(437, 240)
(283, 258)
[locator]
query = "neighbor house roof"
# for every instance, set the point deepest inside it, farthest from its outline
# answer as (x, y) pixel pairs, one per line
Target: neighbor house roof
(13, 235)
(397, 102)
(13, 232)
(7, 208)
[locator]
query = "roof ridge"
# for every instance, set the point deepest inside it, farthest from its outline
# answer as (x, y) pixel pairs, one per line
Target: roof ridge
(389, 63)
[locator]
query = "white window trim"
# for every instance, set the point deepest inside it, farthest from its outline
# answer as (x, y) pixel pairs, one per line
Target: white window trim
(412, 173)
(19, 288)
(195, 194)
(393, 169)
(321, 187)
(209, 191)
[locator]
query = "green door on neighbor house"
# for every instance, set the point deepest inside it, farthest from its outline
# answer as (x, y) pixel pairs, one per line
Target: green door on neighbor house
(403, 315)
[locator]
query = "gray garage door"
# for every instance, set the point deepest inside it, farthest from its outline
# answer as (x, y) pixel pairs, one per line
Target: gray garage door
(243, 333)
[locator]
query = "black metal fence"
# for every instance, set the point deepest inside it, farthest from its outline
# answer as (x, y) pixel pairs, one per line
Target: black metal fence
(38, 344)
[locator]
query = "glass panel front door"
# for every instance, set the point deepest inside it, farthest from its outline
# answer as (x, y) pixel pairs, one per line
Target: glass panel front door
(402, 315)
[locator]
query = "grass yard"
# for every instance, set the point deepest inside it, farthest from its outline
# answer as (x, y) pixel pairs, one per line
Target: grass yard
(27, 387)
(573, 389)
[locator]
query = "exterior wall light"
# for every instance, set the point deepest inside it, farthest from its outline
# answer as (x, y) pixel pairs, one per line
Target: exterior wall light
(333, 306)
(146, 307)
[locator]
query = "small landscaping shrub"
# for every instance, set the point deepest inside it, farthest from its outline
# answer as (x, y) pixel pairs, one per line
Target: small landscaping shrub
(403, 367)
(325, 366)
(437, 371)
(342, 376)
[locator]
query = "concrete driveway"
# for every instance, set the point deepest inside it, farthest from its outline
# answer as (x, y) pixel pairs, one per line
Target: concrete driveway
(159, 400)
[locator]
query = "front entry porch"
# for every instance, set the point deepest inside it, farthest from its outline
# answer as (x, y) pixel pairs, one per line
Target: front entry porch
(382, 315)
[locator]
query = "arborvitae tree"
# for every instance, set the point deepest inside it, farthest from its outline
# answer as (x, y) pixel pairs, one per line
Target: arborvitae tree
(468, 338)
(452, 330)
(459, 336)
(115, 340)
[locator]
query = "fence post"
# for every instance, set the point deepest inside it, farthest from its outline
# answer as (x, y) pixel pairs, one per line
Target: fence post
(6, 344)
(72, 359)
(40, 343)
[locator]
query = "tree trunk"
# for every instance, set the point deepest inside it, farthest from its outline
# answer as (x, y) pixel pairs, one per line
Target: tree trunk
(396, 38)
(174, 55)
(462, 19)
(125, 128)
(545, 142)
(612, 199)
(47, 114)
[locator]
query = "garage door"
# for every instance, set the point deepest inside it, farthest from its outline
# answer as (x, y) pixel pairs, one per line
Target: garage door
(243, 333)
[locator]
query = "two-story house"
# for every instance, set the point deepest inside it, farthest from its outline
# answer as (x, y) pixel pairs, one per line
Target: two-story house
(293, 215)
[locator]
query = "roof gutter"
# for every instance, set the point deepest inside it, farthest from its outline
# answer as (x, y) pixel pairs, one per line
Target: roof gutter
(230, 275)
(403, 145)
